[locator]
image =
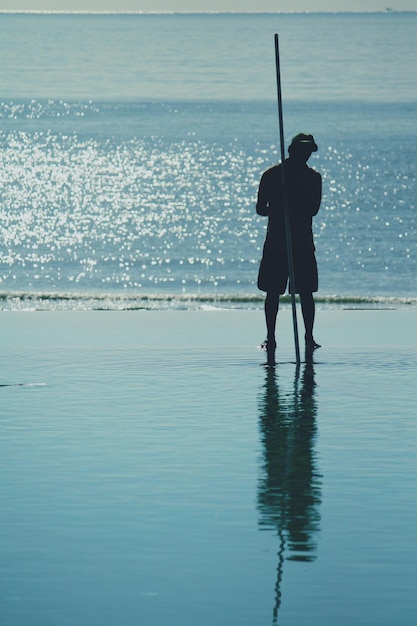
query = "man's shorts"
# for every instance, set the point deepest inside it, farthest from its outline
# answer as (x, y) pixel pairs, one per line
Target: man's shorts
(273, 271)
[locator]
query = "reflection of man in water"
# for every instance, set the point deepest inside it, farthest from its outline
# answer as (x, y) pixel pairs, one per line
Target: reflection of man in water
(289, 489)
(303, 189)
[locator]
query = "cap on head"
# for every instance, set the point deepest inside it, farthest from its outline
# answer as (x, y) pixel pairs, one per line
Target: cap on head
(304, 140)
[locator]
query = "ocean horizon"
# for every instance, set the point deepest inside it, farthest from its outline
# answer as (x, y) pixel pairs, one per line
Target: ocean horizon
(202, 12)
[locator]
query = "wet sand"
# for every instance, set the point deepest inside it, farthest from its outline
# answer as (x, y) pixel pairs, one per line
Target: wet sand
(154, 471)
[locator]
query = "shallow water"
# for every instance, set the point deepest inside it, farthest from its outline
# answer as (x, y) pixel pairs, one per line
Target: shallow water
(177, 480)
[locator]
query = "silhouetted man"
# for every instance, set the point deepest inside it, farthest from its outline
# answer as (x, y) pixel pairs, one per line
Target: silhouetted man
(303, 188)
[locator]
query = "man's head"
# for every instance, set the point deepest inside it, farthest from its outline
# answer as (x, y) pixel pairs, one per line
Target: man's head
(302, 146)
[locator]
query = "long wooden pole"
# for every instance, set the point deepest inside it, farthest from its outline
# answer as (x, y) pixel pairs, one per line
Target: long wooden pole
(286, 208)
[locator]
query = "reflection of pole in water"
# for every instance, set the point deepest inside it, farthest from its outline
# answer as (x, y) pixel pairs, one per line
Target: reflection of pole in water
(280, 573)
(289, 490)
(281, 528)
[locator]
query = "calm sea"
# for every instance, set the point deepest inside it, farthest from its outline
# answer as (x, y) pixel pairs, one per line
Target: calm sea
(131, 148)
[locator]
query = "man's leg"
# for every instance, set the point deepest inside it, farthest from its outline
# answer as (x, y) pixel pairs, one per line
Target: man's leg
(308, 309)
(271, 312)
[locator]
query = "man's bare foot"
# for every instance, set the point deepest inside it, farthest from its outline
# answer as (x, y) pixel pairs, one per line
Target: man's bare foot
(270, 346)
(311, 344)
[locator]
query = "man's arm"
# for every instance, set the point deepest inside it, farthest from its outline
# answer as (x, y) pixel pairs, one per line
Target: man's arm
(262, 204)
(316, 195)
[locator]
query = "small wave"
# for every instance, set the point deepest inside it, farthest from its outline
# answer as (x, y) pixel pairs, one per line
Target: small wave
(51, 301)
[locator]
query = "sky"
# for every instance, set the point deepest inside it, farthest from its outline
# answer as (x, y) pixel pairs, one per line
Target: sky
(207, 5)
